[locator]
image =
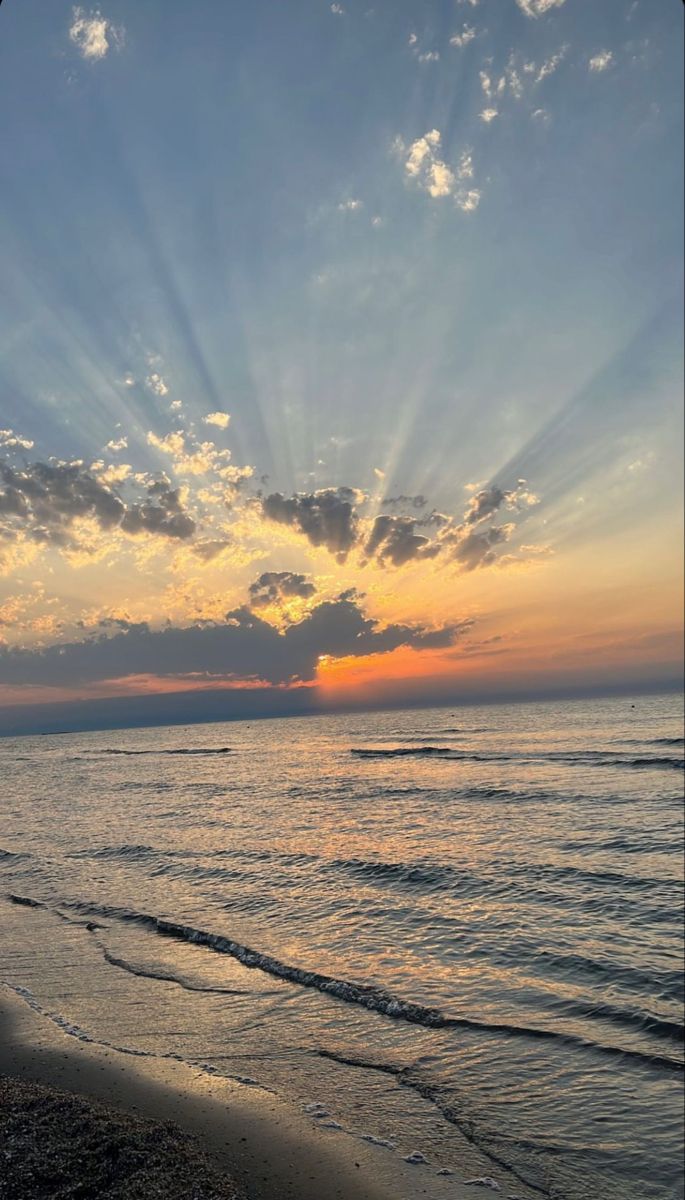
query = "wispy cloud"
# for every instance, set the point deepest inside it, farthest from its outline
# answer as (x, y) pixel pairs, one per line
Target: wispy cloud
(538, 8)
(468, 34)
(93, 34)
(600, 62)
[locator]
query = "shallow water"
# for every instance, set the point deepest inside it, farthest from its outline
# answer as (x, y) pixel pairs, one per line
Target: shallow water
(437, 924)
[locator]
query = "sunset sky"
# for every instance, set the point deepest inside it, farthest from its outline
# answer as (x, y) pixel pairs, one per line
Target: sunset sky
(340, 348)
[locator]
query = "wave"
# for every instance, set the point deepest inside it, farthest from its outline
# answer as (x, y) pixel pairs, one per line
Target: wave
(81, 1035)
(148, 972)
(403, 751)
(599, 758)
(13, 856)
(178, 750)
(375, 998)
(661, 1027)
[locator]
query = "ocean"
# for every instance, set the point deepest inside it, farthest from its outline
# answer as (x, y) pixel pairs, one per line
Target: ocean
(456, 932)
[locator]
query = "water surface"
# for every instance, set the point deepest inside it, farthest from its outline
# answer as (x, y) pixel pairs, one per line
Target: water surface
(450, 928)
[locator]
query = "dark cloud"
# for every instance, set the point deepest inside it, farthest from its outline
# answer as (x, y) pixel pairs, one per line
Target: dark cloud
(243, 647)
(476, 548)
(405, 501)
(394, 538)
(46, 498)
(326, 517)
(49, 497)
(165, 517)
(488, 501)
(275, 586)
(484, 504)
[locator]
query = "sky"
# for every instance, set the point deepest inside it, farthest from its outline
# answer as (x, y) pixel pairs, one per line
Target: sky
(340, 351)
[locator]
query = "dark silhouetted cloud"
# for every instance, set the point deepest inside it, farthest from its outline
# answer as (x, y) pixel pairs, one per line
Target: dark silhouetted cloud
(394, 538)
(275, 586)
(44, 499)
(326, 517)
(476, 548)
(243, 647)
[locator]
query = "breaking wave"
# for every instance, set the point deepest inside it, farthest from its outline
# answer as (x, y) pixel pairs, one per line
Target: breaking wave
(375, 998)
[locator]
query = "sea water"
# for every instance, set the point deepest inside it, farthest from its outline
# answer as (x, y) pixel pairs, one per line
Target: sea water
(451, 931)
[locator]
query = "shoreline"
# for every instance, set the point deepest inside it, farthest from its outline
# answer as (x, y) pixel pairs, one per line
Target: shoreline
(270, 1151)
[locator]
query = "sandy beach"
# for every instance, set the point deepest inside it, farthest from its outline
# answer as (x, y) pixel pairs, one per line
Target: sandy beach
(211, 1139)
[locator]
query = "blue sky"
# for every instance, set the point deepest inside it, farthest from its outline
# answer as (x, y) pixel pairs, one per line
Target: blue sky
(428, 243)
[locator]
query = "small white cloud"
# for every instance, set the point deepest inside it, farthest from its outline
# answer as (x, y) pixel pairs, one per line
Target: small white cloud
(486, 84)
(488, 115)
(378, 473)
(466, 165)
(424, 164)
(538, 8)
(468, 201)
(549, 66)
(338, 10)
(93, 34)
(220, 419)
(412, 40)
(129, 381)
(600, 62)
(117, 444)
(156, 384)
(376, 222)
(462, 39)
(350, 205)
(429, 56)
(541, 115)
(175, 406)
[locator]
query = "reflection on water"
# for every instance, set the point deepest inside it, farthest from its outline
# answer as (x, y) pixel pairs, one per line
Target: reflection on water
(439, 923)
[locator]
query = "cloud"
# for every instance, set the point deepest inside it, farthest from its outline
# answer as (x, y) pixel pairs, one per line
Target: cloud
(156, 384)
(488, 501)
(220, 419)
(117, 444)
(476, 548)
(243, 647)
(395, 539)
(13, 441)
(462, 39)
(45, 502)
(93, 34)
(538, 8)
(600, 62)
(273, 587)
(162, 514)
(549, 66)
(350, 205)
(428, 56)
(331, 518)
(488, 115)
(337, 10)
(424, 165)
(326, 517)
(190, 457)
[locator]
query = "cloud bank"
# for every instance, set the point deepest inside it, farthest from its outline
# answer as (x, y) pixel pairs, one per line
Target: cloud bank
(243, 647)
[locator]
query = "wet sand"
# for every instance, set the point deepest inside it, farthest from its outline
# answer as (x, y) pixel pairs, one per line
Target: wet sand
(243, 1141)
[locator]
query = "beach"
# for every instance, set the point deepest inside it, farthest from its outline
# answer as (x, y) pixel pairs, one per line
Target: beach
(219, 1140)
